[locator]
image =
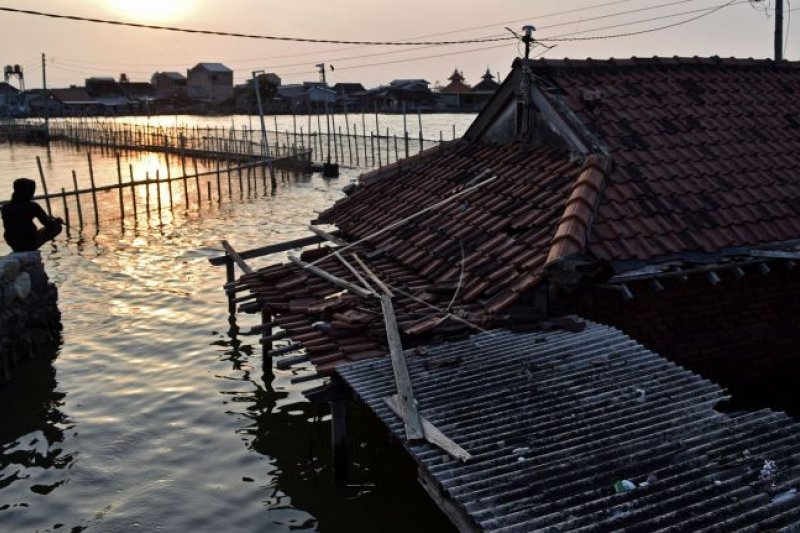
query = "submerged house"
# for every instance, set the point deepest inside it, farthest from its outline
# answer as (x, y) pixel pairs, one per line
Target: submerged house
(657, 196)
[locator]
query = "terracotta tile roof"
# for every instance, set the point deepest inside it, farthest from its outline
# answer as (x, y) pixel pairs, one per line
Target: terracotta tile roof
(706, 151)
(500, 232)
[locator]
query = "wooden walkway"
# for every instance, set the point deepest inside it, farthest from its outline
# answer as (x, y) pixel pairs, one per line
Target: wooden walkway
(587, 431)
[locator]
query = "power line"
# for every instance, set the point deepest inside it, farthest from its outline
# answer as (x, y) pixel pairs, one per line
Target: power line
(246, 35)
(649, 30)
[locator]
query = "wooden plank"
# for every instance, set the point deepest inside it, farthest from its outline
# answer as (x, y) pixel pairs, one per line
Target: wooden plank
(236, 258)
(373, 277)
(405, 404)
(271, 249)
(431, 433)
(327, 236)
(359, 291)
(776, 254)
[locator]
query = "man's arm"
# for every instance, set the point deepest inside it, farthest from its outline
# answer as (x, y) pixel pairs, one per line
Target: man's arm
(46, 220)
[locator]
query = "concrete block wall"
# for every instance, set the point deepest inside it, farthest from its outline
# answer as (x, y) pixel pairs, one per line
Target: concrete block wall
(30, 322)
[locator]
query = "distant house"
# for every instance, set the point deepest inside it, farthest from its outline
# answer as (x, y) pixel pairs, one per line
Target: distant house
(308, 96)
(11, 101)
(70, 101)
(168, 83)
(487, 84)
(107, 92)
(139, 94)
(412, 93)
(211, 82)
(456, 84)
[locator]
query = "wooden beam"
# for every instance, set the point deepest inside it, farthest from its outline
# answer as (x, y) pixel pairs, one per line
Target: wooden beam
(372, 276)
(355, 289)
(271, 249)
(236, 257)
(432, 434)
(327, 236)
(406, 405)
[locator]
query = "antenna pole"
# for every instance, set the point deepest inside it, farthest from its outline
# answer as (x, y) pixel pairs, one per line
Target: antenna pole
(778, 30)
(46, 98)
(528, 39)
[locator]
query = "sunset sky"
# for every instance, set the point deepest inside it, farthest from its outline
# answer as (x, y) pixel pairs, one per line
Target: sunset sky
(77, 50)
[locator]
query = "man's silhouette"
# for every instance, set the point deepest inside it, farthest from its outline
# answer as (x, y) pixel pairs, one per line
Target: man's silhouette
(18, 215)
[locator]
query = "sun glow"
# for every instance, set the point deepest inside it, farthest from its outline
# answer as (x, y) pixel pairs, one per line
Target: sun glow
(150, 10)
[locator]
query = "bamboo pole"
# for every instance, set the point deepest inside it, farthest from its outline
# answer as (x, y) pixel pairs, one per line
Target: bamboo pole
(77, 198)
(44, 186)
(66, 210)
(133, 192)
(94, 189)
(119, 182)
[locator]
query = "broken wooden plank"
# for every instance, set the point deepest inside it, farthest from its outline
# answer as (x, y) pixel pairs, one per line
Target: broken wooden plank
(355, 289)
(406, 404)
(233, 254)
(270, 249)
(431, 433)
(372, 275)
(327, 236)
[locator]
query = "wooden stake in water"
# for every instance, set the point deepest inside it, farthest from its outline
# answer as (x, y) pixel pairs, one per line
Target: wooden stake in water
(44, 186)
(147, 193)
(419, 122)
(158, 191)
(119, 190)
(133, 193)
(94, 190)
(66, 209)
(219, 183)
(405, 128)
(169, 177)
(77, 198)
(196, 180)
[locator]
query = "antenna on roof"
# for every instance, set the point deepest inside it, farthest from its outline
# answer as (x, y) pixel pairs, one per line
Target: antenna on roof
(528, 39)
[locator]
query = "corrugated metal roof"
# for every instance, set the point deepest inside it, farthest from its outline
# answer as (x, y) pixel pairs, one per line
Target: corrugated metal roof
(555, 419)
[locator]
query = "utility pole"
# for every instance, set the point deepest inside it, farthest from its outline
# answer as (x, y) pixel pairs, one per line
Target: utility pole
(257, 89)
(778, 30)
(321, 67)
(46, 99)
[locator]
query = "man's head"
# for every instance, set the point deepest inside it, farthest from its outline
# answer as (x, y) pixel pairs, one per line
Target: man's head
(23, 190)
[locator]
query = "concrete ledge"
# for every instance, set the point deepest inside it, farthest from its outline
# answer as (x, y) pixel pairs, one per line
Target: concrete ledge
(30, 322)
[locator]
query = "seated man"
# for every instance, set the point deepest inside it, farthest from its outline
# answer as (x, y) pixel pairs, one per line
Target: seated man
(18, 214)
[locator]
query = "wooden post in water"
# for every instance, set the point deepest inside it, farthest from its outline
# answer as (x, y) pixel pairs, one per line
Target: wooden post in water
(196, 180)
(133, 193)
(185, 185)
(119, 190)
(94, 189)
(77, 198)
(219, 183)
(405, 128)
(396, 153)
(208, 186)
(372, 147)
(339, 437)
(419, 122)
(230, 189)
(67, 222)
(147, 193)
(44, 186)
(241, 186)
(169, 176)
(355, 141)
(158, 190)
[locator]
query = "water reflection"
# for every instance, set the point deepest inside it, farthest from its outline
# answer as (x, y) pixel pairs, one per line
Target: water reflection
(162, 417)
(32, 433)
(381, 487)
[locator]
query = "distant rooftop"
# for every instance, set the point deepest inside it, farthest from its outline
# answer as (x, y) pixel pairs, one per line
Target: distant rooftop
(212, 67)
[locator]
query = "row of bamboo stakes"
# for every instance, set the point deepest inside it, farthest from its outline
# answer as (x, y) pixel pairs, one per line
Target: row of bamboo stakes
(342, 146)
(229, 174)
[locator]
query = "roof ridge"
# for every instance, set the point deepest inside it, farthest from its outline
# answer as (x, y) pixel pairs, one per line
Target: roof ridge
(662, 61)
(573, 228)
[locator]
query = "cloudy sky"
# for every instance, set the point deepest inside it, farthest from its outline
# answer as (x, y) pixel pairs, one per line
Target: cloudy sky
(77, 50)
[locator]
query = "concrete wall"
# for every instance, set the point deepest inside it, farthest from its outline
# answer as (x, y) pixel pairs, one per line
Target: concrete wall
(30, 322)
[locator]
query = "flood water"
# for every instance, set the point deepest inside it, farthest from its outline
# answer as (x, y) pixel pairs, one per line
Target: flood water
(155, 415)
